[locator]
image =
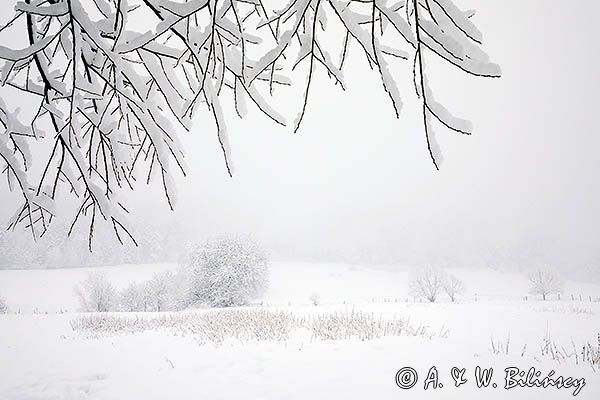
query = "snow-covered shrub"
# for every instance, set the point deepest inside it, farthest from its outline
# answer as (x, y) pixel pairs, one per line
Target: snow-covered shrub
(315, 298)
(426, 283)
(158, 291)
(133, 298)
(3, 306)
(96, 293)
(182, 287)
(545, 282)
(453, 286)
(225, 272)
(152, 295)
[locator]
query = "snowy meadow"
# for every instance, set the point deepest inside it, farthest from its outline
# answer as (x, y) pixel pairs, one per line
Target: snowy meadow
(284, 200)
(365, 327)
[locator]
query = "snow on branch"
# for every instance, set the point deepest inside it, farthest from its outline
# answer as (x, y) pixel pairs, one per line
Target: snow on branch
(115, 81)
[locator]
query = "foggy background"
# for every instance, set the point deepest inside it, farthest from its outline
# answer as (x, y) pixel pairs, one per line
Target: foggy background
(357, 185)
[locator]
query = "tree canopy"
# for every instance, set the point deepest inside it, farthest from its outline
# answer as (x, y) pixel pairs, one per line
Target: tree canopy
(115, 81)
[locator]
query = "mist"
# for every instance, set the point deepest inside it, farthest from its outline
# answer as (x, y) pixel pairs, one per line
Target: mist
(355, 184)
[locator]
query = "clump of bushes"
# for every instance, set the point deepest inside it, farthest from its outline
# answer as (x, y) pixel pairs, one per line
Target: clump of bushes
(96, 293)
(157, 294)
(221, 272)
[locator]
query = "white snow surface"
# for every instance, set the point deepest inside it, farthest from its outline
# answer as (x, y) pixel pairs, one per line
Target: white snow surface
(41, 357)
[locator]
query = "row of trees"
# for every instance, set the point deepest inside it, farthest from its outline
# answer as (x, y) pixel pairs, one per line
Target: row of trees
(221, 272)
(429, 283)
(97, 294)
(226, 273)
(57, 250)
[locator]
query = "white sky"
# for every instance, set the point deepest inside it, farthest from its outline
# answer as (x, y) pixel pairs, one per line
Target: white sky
(354, 176)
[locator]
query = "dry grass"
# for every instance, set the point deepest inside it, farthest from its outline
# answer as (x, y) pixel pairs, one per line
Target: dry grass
(586, 353)
(570, 309)
(360, 325)
(499, 346)
(217, 326)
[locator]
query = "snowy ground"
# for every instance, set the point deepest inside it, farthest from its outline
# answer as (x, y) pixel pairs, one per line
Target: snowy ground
(41, 357)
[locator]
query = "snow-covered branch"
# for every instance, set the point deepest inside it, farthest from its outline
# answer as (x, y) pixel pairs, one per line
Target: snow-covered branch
(117, 80)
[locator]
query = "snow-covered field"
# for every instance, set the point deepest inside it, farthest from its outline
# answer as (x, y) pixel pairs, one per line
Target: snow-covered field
(42, 357)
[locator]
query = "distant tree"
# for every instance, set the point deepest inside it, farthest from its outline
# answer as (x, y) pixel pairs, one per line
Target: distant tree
(315, 298)
(96, 293)
(427, 283)
(545, 282)
(3, 306)
(225, 272)
(114, 82)
(453, 286)
(159, 291)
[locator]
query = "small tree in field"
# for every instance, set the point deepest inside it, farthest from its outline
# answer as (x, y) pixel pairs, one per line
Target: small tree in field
(545, 282)
(315, 298)
(226, 272)
(453, 286)
(427, 284)
(96, 293)
(3, 306)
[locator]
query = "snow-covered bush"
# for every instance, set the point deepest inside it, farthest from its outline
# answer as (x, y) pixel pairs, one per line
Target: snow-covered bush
(453, 286)
(133, 298)
(96, 293)
(426, 283)
(225, 272)
(3, 306)
(545, 282)
(158, 291)
(153, 295)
